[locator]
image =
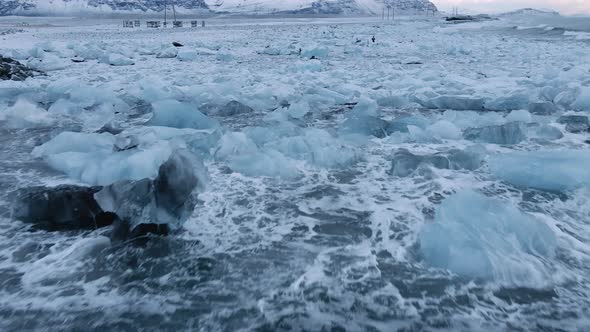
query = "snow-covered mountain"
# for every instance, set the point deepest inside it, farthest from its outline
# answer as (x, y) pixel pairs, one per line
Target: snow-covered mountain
(319, 6)
(89, 7)
(72, 7)
(531, 12)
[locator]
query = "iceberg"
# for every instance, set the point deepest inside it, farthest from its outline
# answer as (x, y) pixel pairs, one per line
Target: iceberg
(483, 238)
(172, 113)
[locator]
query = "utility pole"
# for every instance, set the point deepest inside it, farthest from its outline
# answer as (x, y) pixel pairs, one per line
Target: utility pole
(165, 9)
(173, 12)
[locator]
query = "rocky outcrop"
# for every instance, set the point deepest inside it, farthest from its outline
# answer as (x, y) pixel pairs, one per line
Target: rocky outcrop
(135, 208)
(65, 207)
(11, 69)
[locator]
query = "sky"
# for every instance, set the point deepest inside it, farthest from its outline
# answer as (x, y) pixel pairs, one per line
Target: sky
(568, 7)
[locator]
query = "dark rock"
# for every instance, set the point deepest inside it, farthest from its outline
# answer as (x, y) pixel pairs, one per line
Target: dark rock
(509, 133)
(139, 234)
(177, 44)
(11, 69)
(575, 123)
(233, 108)
(469, 18)
(65, 207)
(78, 59)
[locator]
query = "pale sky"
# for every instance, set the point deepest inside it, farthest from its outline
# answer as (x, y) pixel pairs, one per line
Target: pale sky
(563, 6)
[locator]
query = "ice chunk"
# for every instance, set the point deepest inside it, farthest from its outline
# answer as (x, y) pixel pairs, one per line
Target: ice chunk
(187, 54)
(405, 163)
(542, 108)
(575, 123)
(318, 148)
(234, 108)
(365, 106)
(24, 114)
(47, 62)
(170, 52)
(88, 51)
(363, 119)
(519, 116)
(554, 170)
(224, 57)
(243, 156)
(315, 52)
(460, 103)
(172, 113)
(548, 132)
(366, 125)
(444, 129)
(298, 110)
(509, 133)
(479, 237)
(393, 101)
(115, 59)
(76, 142)
(582, 102)
(92, 158)
(467, 119)
(65, 107)
(511, 102)
(401, 123)
(167, 199)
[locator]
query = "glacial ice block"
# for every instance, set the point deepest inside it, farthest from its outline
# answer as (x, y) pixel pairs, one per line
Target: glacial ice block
(480, 237)
(509, 133)
(172, 113)
(556, 170)
(92, 158)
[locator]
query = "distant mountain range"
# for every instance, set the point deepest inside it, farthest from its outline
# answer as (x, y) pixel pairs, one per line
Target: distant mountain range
(531, 12)
(98, 7)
